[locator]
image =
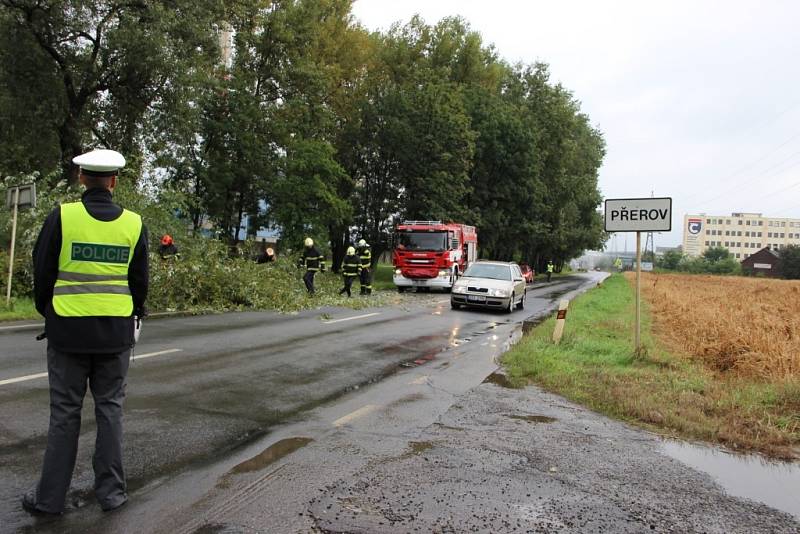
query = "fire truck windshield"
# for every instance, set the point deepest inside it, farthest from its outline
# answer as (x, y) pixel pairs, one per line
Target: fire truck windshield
(436, 241)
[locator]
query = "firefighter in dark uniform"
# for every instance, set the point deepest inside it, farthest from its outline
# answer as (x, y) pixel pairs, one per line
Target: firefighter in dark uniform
(313, 261)
(167, 249)
(351, 268)
(90, 284)
(365, 279)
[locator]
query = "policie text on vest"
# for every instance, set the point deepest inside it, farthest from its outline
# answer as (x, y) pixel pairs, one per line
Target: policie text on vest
(99, 253)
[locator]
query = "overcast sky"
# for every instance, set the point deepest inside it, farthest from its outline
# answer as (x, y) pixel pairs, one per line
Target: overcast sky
(697, 100)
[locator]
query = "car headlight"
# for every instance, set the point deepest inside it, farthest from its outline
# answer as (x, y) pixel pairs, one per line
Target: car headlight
(498, 293)
(459, 288)
(444, 274)
(398, 272)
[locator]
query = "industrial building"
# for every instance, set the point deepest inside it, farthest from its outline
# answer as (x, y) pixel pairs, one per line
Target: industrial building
(743, 234)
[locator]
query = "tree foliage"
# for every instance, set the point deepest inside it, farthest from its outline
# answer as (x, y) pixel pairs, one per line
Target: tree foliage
(790, 262)
(93, 68)
(313, 126)
(670, 260)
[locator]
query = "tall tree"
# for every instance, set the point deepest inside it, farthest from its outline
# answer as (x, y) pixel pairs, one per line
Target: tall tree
(100, 64)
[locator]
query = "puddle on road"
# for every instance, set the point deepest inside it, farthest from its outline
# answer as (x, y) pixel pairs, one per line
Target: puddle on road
(498, 379)
(271, 454)
(775, 484)
(533, 418)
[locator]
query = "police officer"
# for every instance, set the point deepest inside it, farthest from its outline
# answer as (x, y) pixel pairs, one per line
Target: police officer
(365, 278)
(550, 269)
(313, 261)
(90, 284)
(351, 268)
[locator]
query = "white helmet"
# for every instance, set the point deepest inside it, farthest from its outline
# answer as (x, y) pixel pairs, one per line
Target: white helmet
(350, 251)
(362, 243)
(309, 242)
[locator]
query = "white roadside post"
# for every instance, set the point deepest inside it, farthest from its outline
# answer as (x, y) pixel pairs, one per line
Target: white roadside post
(561, 319)
(638, 215)
(21, 196)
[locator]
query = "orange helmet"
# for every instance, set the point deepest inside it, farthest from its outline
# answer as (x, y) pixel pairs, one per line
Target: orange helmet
(166, 240)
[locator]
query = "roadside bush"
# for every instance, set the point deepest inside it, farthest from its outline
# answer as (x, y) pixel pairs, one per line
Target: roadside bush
(790, 262)
(702, 265)
(204, 278)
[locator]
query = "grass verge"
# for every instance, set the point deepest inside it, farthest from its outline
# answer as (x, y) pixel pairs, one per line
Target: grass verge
(21, 309)
(666, 392)
(383, 277)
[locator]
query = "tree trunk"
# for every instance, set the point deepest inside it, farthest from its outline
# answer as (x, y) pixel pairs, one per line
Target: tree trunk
(339, 240)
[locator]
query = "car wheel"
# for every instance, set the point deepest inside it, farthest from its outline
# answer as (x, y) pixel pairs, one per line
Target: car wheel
(453, 305)
(401, 289)
(510, 307)
(521, 304)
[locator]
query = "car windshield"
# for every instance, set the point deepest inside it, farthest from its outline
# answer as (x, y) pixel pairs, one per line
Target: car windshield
(488, 270)
(421, 241)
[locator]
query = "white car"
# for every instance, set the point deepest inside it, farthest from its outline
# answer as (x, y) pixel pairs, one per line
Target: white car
(490, 284)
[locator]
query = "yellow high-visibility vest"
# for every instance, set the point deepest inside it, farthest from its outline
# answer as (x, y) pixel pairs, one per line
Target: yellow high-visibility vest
(93, 263)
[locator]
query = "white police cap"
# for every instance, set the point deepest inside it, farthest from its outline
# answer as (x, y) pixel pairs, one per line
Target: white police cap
(100, 161)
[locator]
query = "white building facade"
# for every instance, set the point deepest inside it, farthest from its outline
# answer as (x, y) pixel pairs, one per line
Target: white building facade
(743, 234)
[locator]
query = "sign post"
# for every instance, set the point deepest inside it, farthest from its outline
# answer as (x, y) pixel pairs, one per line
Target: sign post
(638, 335)
(638, 215)
(22, 196)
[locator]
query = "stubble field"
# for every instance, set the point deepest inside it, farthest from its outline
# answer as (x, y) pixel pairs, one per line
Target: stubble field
(746, 327)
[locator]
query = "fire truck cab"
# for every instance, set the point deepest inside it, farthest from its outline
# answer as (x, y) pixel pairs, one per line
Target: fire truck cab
(432, 254)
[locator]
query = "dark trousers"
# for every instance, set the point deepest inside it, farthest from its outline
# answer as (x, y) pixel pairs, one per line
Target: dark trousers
(348, 283)
(365, 279)
(68, 375)
(308, 278)
(549, 274)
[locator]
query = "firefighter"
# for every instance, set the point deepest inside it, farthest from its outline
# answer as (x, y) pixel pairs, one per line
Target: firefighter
(351, 268)
(167, 250)
(313, 261)
(550, 268)
(90, 284)
(268, 256)
(365, 278)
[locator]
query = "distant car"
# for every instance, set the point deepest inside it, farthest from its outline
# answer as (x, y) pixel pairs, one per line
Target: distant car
(490, 284)
(527, 273)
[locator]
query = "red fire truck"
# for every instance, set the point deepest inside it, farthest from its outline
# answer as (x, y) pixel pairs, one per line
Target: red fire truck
(432, 253)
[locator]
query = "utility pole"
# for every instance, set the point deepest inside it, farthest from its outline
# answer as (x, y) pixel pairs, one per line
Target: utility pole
(15, 208)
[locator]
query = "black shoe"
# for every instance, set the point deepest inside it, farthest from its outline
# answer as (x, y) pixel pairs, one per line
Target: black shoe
(30, 506)
(114, 507)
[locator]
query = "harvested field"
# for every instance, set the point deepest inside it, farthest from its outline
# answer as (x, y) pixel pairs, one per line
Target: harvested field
(744, 327)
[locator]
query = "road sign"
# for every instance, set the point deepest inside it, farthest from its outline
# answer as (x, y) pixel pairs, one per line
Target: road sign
(27, 196)
(638, 215)
(23, 196)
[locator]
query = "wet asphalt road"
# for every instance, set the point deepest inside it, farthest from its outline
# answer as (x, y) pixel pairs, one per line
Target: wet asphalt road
(201, 387)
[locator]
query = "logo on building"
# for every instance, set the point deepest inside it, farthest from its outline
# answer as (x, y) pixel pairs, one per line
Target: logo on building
(694, 226)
